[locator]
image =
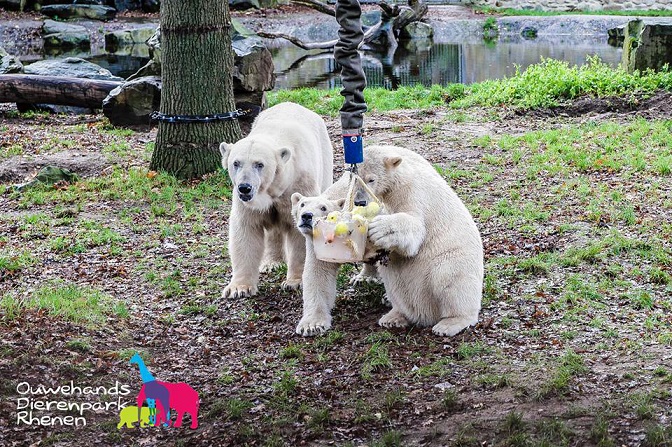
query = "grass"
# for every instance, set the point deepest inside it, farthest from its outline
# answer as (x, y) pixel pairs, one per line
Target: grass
(78, 304)
(377, 358)
(568, 366)
(542, 13)
(578, 267)
(546, 84)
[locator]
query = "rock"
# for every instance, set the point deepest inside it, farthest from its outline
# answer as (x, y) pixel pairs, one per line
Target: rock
(79, 2)
(53, 27)
(244, 4)
(616, 36)
(417, 45)
(154, 44)
(127, 5)
(67, 41)
(646, 45)
(529, 33)
(151, 5)
(130, 37)
(152, 68)
(417, 30)
(64, 36)
(70, 67)
(94, 12)
(11, 5)
(8, 63)
(49, 175)
(253, 71)
(133, 102)
(19, 168)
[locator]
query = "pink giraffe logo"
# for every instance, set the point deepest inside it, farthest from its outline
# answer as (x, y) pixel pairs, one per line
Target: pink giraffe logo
(162, 398)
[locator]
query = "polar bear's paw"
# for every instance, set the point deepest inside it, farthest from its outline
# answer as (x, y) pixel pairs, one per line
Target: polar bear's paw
(239, 291)
(393, 318)
(291, 284)
(365, 276)
(311, 326)
(269, 266)
(448, 327)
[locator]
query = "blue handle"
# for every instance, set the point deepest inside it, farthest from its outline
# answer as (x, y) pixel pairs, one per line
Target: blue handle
(352, 145)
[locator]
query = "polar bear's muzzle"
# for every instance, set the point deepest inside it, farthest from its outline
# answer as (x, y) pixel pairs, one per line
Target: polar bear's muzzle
(245, 192)
(306, 223)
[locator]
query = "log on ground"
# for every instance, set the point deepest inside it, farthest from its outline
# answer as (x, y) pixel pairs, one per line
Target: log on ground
(59, 90)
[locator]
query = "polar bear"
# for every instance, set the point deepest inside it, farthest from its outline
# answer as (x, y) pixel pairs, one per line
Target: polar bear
(319, 277)
(287, 150)
(434, 276)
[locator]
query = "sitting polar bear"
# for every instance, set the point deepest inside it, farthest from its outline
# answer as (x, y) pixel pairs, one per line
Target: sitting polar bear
(287, 150)
(434, 275)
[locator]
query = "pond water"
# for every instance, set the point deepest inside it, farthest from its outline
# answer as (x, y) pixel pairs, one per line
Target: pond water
(457, 53)
(440, 62)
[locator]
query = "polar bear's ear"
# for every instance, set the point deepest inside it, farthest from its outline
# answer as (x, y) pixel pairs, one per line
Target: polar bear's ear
(224, 149)
(296, 198)
(340, 203)
(285, 154)
(391, 162)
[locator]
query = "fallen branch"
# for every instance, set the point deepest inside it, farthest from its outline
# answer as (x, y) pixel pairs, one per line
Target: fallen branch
(368, 34)
(32, 89)
(316, 5)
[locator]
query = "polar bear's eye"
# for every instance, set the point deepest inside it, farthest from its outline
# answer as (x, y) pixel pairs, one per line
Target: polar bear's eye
(302, 205)
(259, 165)
(236, 164)
(324, 209)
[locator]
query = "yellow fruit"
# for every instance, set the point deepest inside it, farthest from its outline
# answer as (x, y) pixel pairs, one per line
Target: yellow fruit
(358, 211)
(372, 209)
(341, 228)
(333, 216)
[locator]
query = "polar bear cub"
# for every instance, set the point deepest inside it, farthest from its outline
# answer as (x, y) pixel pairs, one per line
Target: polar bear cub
(434, 276)
(287, 150)
(319, 277)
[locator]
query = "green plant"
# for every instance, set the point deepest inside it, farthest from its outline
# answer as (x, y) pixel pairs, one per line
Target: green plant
(376, 359)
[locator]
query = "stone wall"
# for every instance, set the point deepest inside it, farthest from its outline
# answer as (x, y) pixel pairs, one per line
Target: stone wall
(570, 5)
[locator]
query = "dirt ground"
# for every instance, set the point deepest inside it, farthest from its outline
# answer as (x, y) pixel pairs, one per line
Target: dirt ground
(530, 373)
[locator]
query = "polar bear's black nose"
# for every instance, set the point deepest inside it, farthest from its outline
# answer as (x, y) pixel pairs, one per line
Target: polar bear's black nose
(244, 188)
(360, 203)
(307, 217)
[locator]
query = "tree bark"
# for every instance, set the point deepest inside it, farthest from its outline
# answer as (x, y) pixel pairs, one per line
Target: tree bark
(32, 89)
(197, 79)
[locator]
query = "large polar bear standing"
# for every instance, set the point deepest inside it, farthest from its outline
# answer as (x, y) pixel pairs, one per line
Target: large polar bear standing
(287, 150)
(434, 275)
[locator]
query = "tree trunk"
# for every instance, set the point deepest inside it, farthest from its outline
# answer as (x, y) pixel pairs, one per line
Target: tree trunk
(197, 79)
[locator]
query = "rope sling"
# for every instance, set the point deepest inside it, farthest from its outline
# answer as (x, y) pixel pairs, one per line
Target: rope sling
(342, 236)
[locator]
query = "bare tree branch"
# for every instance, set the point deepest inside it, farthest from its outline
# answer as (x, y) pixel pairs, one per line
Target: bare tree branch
(317, 5)
(298, 42)
(399, 16)
(368, 34)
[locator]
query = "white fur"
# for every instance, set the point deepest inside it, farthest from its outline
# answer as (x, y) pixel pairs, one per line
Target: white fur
(319, 277)
(435, 273)
(287, 150)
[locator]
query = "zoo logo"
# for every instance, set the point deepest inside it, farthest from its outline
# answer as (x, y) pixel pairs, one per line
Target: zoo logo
(161, 398)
